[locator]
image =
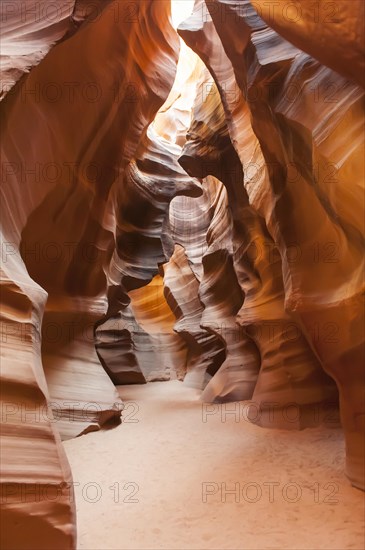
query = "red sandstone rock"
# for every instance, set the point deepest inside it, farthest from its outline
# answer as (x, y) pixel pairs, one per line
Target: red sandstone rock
(296, 159)
(63, 160)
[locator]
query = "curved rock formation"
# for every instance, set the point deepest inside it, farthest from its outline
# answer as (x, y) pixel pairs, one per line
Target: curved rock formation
(30, 29)
(166, 357)
(331, 32)
(115, 342)
(289, 372)
(151, 181)
(205, 351)
(37, 509)
(64, 154)
(295, 161)
(138, 345)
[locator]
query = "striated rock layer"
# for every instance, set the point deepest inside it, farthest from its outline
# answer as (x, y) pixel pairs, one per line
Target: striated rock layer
(268, 359)
(64, 160)
(301, 153)
(29, 29)
(332, 32)
(150, 182)
(135, 341)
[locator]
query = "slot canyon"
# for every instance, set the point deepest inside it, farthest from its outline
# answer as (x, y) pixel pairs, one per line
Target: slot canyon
(182, 275)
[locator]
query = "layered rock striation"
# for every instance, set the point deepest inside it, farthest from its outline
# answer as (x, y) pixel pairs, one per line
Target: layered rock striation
(296, 127)
(70, 129)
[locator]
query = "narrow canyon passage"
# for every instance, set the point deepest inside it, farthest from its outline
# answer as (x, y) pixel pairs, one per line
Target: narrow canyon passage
(159, 480)
(182, 294)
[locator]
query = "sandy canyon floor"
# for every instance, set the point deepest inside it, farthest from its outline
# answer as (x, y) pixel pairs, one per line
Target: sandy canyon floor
(181, 475)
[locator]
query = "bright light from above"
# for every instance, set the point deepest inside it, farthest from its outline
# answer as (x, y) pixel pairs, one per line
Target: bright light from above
(180, 10)
(174, 117)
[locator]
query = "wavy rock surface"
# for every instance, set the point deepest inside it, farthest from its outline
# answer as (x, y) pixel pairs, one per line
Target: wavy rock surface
(32, 457)
(65, 156)
(270, 338)
(138, 345)
(298, 157)
(331, 32)
(30, 29)
(144, 243)
(153, 314)
(116, 340)
(205, 351)
(136, 341)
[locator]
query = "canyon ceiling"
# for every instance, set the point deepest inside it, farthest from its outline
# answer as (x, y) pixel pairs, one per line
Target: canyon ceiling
(199, 218)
